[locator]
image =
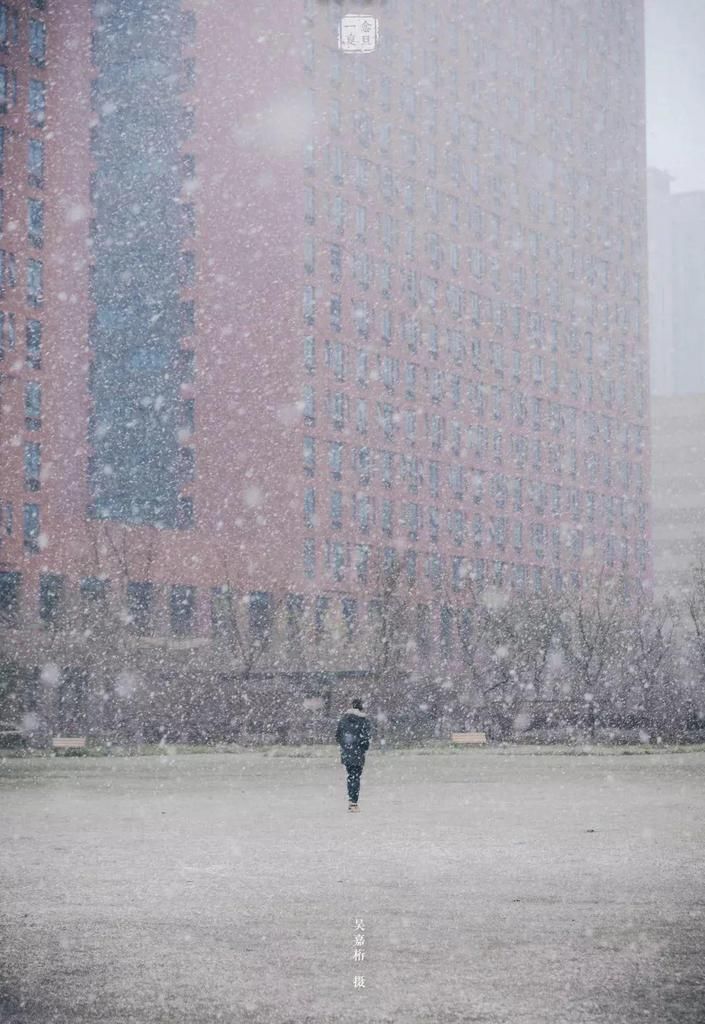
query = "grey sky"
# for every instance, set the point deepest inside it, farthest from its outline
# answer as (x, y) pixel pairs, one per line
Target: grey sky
(675, 90)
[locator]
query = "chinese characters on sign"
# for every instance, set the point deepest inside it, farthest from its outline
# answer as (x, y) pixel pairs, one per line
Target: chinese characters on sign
(359, 951)
(358, 33)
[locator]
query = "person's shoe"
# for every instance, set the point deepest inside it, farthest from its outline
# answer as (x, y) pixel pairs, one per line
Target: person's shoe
(352, 807)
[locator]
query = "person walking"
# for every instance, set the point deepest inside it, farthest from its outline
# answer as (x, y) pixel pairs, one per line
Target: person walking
(353, 735)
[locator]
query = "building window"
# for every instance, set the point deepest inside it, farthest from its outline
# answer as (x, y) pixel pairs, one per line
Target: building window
(362, 367)
(446, 630)
(335, 459)
(51, 593)
(309, 406)
(309, 507)
(184, 513)
(337, 558)
(32, 465)
(349, 606)
(412, 519)
(390, 562)
(34, 282)
(362, 463)
(309, 255)
(309, 304)
(34, 344)
(9, 597)
(140, 607)
(182, 610)
(320, 614)
(423, 629)
(11, 333)
(309, 456)
(294, 616)
(186, 465)
(336, 263)
(309, 353)
(336, 510)
(335, 359)
(362, 562)
(387, 516)
(309, 558)
(260, 618)
(336, 408)
(94, 594)
(32, 405)
(361, 221)
(335, 313)
(31, 527)
(6, 519)
(362, 512)
(37, 42)
(221, 611)
(9, 268)
(361, 316)
(37, 103)
(434, 568)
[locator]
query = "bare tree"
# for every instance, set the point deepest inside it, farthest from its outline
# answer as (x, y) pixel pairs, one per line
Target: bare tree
(109, 648)
(696, 609)
(394, 639)
(533, 629)
(650, 649)
(130, 551)
(592, 634)
(246, 643)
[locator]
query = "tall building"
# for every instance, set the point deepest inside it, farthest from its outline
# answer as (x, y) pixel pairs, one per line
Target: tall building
(299, 316)
(688, 295)
(677, 340)
(660, 230)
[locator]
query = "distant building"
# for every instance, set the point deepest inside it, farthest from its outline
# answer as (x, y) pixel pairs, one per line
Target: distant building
(676, 293)
(688, 292)
(299, 317)
(677, 339)
(678, 490)
(660, 221)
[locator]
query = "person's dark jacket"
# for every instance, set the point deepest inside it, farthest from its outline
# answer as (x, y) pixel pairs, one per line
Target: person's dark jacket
(353, 735)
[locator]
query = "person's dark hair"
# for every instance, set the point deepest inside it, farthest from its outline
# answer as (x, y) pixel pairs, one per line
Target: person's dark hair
(357, 704)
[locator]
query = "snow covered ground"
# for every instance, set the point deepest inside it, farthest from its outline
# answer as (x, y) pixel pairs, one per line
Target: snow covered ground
(492, 887)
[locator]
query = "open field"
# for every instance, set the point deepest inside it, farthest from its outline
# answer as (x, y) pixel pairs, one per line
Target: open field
(522, 889)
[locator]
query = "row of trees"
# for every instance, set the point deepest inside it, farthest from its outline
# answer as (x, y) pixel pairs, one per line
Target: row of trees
(603, 658)
(600, 657)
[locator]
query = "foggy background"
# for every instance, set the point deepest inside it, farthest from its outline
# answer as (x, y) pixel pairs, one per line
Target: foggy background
(675, 90)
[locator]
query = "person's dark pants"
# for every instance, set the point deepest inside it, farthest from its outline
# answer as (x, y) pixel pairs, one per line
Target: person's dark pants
(354, 770)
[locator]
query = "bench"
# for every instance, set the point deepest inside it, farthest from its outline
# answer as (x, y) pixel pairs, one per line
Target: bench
(471, 739)
(69, 742)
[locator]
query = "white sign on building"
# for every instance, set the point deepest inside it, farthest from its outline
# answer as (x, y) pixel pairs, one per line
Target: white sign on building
(358, 33)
